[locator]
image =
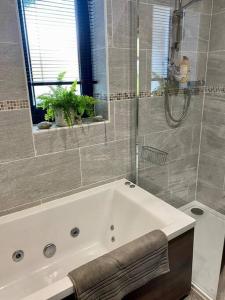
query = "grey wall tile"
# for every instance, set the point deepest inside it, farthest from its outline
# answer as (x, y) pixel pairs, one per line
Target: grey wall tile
(105, 161)
(119, 69)
(165, 195)
(183, 171)
(141, 162)
(211, 171)
(132, 75)
(55, 140)
(5, 186)
(124, 23)
(214, 118)
(196, 132)
(95, 134)
(159, 140)
(177, 143)
(29, 180)
(182, 186)
(204, 6)
(154, 179)
(123, 115)
(12, 76)
(9, 22)
(213, 141)
(194, 113)
(215, 103)
(193, 117)
(152, 115)
(211, 196)
(8, 6)
(146, 26)
(192, 191)
(145, 69)
(197, 102)
(179, 195)
(218, 6)
(217, 41)
(15, 135)
(216, 68)
(144, 116)
(180, 143)
(196, 31)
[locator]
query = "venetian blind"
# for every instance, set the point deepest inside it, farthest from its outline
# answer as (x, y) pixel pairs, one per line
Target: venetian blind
(160, 42)
(52, 39)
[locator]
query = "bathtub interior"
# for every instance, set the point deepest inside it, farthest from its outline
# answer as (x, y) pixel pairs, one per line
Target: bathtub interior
(129, 220)
(36, 229)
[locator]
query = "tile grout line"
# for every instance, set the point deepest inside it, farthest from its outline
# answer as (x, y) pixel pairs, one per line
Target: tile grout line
(203, 105)
(81, 174)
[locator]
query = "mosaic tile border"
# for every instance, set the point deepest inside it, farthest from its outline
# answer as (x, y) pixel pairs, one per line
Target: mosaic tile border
(213, 90)
(6, 105)
(143, 94)
(216, 90)
(13, 104)
(116, 96)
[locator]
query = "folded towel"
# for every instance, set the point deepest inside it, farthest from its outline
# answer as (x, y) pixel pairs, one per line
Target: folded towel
(119, 272)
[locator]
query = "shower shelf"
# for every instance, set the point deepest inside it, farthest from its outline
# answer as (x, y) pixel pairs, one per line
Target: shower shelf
(154, 155)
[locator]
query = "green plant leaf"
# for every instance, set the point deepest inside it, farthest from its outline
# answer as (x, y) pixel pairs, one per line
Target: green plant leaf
(61, 76)
(73, 106)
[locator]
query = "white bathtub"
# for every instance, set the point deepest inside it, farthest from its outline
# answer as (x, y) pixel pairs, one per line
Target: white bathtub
(132, 211)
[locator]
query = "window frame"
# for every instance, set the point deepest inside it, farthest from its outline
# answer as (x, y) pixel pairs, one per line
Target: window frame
(83, 27)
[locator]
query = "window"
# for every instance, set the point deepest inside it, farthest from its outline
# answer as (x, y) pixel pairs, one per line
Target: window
(56, 38)
(160, 45)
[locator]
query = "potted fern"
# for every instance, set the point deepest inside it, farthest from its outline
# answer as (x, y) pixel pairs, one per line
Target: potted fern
(64, 106)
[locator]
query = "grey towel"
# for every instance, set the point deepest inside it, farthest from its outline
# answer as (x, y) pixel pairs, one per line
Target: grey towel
(116, 274)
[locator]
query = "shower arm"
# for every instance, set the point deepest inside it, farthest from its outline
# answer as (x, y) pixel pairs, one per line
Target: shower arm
(188, 4)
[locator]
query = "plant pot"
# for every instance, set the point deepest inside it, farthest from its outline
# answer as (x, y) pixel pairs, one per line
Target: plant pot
(60, 118)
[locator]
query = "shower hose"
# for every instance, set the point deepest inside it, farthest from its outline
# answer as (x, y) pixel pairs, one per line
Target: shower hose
(173, 121)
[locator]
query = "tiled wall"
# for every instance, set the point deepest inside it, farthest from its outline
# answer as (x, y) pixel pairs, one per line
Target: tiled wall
(176, 181)
(211, 189)
(36, 167)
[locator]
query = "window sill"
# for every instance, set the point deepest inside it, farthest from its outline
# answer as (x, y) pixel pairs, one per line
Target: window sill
(86, 123)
